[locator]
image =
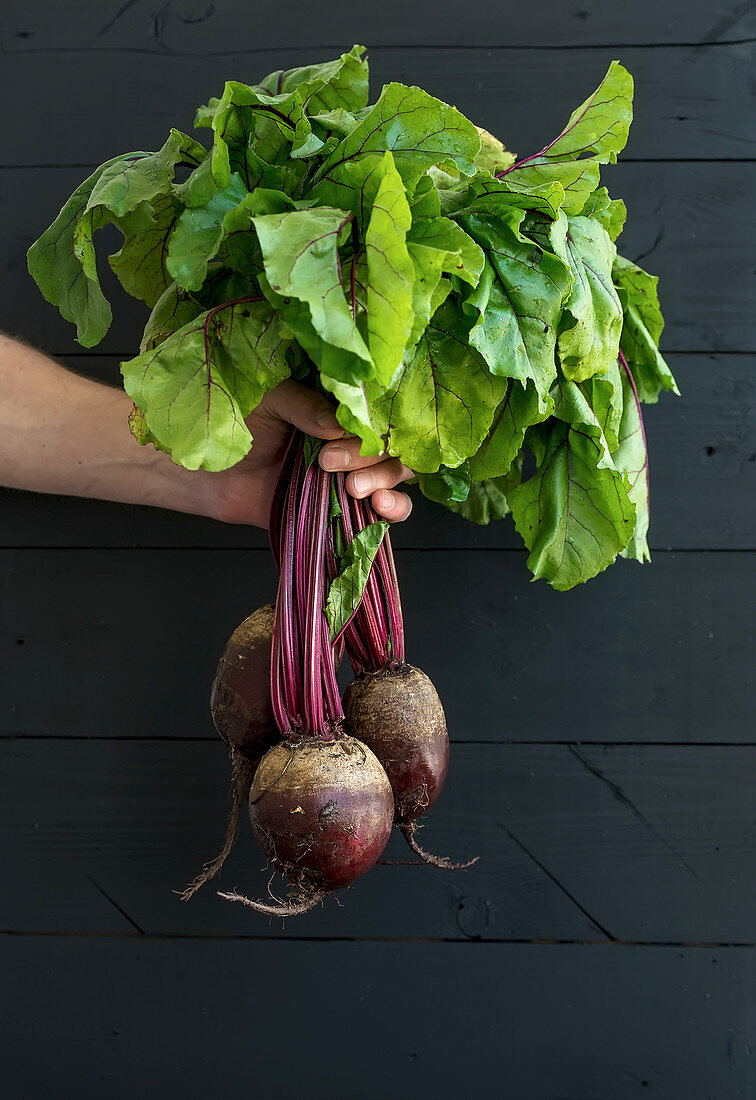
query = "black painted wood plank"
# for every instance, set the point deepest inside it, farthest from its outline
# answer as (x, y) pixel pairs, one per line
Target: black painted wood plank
(691, 224)
(648, 844)
(689, 102)
(196, 27)
(126, 643)
(152, 1018)
(702, 449)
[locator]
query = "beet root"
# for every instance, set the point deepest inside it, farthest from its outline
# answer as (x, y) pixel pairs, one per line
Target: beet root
(322, 812)
(397, 713)
(240, 700)
(242, 711)
(242, 771)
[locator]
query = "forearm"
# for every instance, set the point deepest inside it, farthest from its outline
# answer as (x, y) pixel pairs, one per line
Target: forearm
(60, 433)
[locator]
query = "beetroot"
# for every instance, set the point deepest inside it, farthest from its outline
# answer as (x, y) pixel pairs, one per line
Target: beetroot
(384, 706)
(322, 812)
(390, 705)
(240, 696)
(242, 711)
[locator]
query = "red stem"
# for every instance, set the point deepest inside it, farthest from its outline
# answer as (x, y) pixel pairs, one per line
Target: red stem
(304, 688)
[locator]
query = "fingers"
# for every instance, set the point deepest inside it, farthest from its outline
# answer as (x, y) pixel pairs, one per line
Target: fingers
(378, 482)
(392, 506)
(345, 455)
(375, 476)
(306, 409)
(383, 475)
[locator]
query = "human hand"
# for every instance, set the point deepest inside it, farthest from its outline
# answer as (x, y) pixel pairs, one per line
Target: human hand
(244, 493)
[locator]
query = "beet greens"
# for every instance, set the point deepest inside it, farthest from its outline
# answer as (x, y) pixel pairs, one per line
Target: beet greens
(462, 307)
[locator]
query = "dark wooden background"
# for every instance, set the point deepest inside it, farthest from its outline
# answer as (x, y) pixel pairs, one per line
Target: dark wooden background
(604, 757)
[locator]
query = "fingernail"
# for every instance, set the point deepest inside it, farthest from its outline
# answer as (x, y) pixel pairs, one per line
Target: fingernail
(384, 500)
(326, 420)
(363, 482)
(335, 458)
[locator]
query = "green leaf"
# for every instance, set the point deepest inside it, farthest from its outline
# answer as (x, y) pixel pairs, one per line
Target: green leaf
(641, 330)
(198, 233)
(610, 213)
(300, 252)
(140, 262)
(240, 247)
(517, 304)
(519, 410)
(574, 514)
(310, 449)
(348, 588)
(125, 184)
(327, 86)
(631, 457)
(63, 263)
(59, 272)
(600, 125)
(419, 130)
(461, 256)
(436, 245)
(354, 411)
(486, 501)
(441, 403)
(577, 180)
(391, 273)
(429, 289)
(196, 388)
(446, 486)
(604, 394)
(425, 202)
(588, 341)
(490, 195)
(173, 309)
(595, 133)
(493, 155)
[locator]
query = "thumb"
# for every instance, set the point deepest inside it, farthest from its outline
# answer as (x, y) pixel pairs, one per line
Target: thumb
(306, 409)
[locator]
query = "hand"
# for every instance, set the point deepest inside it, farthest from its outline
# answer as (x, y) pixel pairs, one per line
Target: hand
(243, 494)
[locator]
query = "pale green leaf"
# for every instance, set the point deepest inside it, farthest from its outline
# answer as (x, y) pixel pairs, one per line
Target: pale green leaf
(390, 273)
(517, 304)
(196, 388)
(300, 252)
(641, 330)
(441, 403)
(327, 86)
(198, 233)
(631, 457)
(611, 213)
(493, 155)
(588, 341)
(348, 587)
(140, 263)
(59, 272)
(125, 184)
(519, 409)
(574, 514)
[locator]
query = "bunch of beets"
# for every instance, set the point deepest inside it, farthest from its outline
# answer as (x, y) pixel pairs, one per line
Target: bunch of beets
(465, 310)
(326, 777)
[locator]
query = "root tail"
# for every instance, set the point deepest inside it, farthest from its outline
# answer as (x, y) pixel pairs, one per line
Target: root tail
(293, 907)
(408, 832)
(241, 780)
